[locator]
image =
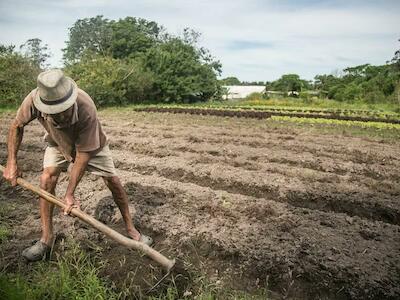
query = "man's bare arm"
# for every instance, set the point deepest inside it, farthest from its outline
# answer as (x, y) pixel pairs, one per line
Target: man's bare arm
(14, 140)
(78, 169)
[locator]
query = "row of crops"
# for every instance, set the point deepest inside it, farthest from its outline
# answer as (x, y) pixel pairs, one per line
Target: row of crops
(267, 112)
(341, 112)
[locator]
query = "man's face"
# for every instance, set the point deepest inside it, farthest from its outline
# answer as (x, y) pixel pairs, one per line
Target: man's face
(63, 117)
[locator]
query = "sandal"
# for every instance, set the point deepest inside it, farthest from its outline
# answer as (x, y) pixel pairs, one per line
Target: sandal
(39, 251)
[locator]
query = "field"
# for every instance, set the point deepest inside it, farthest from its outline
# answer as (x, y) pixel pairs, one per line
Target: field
(254, 206)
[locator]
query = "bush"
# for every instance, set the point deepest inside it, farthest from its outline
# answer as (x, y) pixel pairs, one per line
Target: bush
(374, 97)
(181, 72)
(17, 78)
(255, 96)
(111, 81)
(352, 92)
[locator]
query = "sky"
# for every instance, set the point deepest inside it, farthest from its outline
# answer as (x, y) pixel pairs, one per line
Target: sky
(255, 40)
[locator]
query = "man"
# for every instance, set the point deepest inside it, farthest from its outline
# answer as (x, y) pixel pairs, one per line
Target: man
(74, 135)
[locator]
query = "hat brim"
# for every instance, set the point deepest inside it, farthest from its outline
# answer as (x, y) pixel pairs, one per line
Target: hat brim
(57, 108)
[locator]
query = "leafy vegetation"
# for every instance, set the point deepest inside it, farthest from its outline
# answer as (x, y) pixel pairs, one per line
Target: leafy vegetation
(315, 103)
(36, 52)
(289, 83)
(232, 80)
(380, 131)
(112, 81)
(287, 106)
(133, 60)
(364, 83)
(372, 84)
(165, 68)
(76, 275)
(127, 37)
(4, 233)
(118, 62)
(17, 76)
(375, 125)
(71, 276)
(359, 84)
(180, 78)
(4, 226)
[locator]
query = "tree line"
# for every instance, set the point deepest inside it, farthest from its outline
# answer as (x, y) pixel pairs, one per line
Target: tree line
(119, 62)
(364, 83)
(133, 60)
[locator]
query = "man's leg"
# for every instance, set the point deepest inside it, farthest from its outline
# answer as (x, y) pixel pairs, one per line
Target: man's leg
(38, 251)
(48, 182)
(102, 164)
(121, 199)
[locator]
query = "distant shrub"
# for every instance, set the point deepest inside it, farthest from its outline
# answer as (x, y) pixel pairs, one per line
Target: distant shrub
(17, 77)
(111, 81)
(255, 96)
(304, 95)
(374, 97)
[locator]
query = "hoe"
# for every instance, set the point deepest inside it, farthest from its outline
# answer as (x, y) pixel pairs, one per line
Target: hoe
(164, 262)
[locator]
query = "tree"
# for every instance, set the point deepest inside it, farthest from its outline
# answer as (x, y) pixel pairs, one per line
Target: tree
(290, 83)
(183, 72)
(396, 59)
(357, 71)
(4, 49)
(132, 36)
(89, 35)
(372, 84)
(326, 84)
(112, 81)
(396, 63)
(230, 81)
(120, 39)
(17, 76)
(36, 51)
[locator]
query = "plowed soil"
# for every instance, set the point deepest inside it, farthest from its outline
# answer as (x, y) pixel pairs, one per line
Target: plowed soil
(247, 203)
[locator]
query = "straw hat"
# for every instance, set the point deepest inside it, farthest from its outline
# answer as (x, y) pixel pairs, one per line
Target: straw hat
(55, 93)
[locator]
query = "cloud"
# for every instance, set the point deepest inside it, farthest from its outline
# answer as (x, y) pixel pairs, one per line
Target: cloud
(238, 45)
(254, 39)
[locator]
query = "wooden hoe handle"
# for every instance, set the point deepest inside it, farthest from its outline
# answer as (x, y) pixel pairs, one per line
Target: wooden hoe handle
(166, 263)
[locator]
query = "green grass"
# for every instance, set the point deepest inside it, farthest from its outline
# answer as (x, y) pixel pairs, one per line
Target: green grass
(4, 233)
(4, 227)
(6, 109)
(71, 276)
(75, 275)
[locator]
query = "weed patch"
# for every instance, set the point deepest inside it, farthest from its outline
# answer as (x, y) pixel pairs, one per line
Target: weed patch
(71, 276)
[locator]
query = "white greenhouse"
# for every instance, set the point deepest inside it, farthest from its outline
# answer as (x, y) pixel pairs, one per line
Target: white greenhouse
(242, 91)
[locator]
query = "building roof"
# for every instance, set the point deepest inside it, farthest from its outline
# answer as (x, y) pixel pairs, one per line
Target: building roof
(244, 89)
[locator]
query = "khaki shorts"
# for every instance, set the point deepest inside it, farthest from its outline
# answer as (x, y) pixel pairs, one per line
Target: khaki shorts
(101, 164)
